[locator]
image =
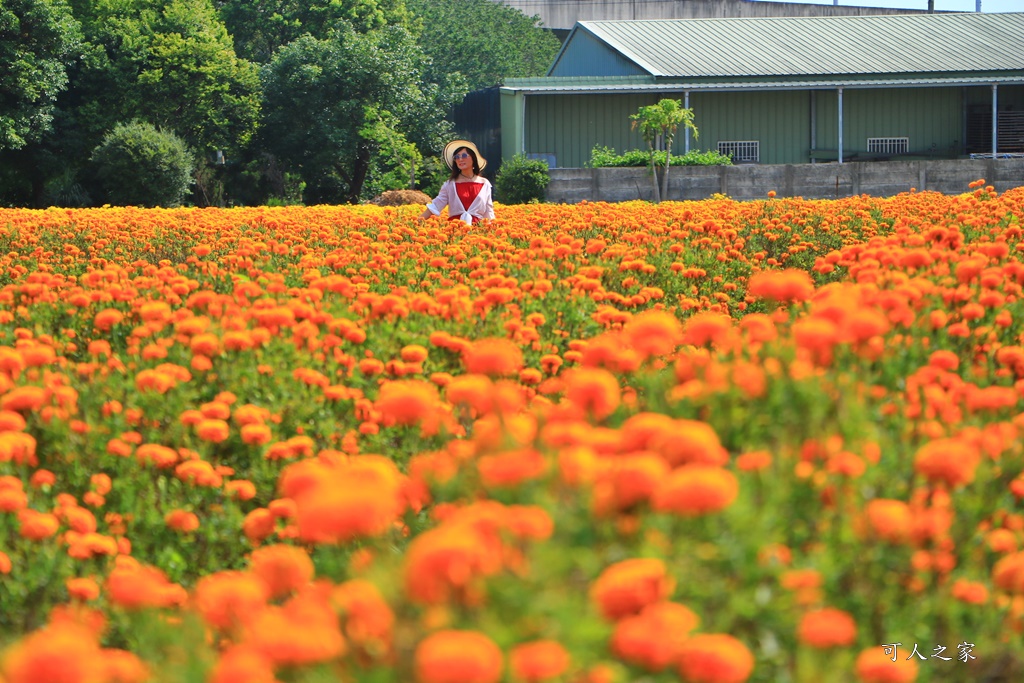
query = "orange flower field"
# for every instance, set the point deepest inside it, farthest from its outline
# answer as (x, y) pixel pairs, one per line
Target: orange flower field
(710, 442)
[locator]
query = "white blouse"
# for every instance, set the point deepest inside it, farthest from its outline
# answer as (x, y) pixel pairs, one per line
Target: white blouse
(482, 206)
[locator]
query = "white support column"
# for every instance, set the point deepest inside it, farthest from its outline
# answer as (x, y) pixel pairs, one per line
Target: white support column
(995, 120)
(840, 90)
(686, 132)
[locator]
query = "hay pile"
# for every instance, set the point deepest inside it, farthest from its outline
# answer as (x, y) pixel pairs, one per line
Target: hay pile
(401, 198)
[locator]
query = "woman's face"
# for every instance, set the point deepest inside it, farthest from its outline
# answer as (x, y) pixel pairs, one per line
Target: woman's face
(464, 160)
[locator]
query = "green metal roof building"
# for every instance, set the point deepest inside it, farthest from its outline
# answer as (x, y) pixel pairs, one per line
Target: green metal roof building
(782, 90)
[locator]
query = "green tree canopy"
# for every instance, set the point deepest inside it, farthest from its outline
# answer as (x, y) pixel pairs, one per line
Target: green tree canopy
(38, 40)
(318, 94)
(171, 63)
(485, 41)
(260, 27)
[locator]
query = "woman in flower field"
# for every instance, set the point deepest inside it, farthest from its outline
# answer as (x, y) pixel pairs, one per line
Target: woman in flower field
(708, 442)
(467, 194)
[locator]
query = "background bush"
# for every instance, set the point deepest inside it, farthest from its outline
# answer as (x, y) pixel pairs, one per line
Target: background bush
(140, 165)
(521, 180)
(606, 157)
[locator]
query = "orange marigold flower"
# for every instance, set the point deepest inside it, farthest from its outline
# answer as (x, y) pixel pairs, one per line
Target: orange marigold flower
(537, 661)
(5, 563)
(243, 663)
(707, 328)
(445, 563)
(361, 499)
(890, 520)
(305, 630)
(511, 468)
(256, 434)
(121, 666)
(258, 525)
(654, 333)
(283, 568)
(11, 421)
(690, 441)
(827, 627)
(84, 589)
(791, 284)
(23, 399)
(818, 335)
(754, 461)
(214, 431)
(623, 482)
(240, 489)
(230, 598)
(107, 318)
(457, 657)
(876, 665)
(182, 521)
(493, 356)
(715, 658)
(367, 617)
(408, 402)
(1001, 541)
(1008, 573)
(951, 461)
(414, 353)
(654, 638)
(59, 653)
(971, 592)
(12, 499)
(628, 586)
(595, 391)
(696, 490)
(36, 526)
(132, 585)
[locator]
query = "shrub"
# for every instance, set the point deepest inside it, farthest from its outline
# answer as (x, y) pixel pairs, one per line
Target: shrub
(521, 180)
(140, 165)
(606, 157)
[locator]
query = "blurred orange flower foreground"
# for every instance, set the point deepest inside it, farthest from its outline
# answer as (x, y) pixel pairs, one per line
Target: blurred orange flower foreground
(707, 442)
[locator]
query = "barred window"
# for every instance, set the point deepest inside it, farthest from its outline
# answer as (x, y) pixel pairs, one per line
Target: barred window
(888, 145)
(741, 150)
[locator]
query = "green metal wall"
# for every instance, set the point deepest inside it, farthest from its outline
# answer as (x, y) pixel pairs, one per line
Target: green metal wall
(932, 119)
(778, 120)
(569, 126)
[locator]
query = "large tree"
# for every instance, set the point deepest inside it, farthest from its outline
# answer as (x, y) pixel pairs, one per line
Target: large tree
(38, 40)
(170, 63)
(260, 27)
(485, 41)
(173, 64)
(325, 100)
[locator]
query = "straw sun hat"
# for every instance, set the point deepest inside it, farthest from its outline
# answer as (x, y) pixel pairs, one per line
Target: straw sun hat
(449, 151)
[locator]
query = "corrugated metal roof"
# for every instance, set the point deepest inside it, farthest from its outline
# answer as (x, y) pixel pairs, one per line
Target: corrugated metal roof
(818, 46)
(591, 85)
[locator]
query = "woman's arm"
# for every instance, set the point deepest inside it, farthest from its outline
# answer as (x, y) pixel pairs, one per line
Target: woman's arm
(435, 207)
(489, 206)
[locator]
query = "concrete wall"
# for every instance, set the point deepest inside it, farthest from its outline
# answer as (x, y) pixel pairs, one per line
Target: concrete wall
(811, 181)
(563, 14)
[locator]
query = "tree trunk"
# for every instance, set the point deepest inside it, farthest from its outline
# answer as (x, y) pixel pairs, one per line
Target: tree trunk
(362, 167)
(668, 162)
(656, 197)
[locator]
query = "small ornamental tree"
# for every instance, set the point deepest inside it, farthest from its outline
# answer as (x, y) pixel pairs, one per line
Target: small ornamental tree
(140, 165)
(662, 119)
